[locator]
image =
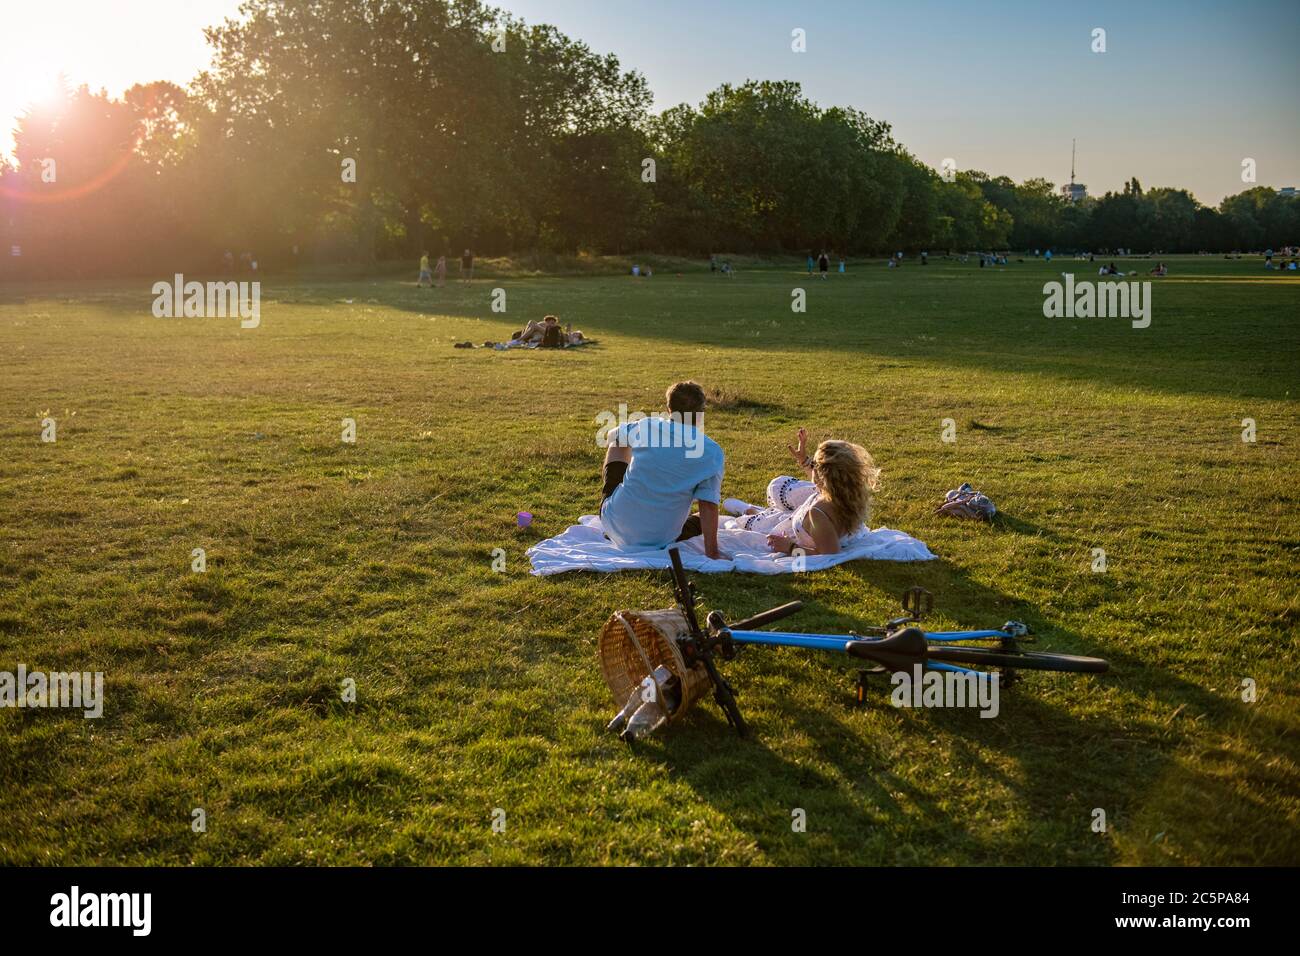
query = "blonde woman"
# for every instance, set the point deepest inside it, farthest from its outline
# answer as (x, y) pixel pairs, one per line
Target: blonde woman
(820, 514)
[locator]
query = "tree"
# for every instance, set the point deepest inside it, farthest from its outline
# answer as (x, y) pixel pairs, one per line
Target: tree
(1173, 213)
(459, 121)
(759, 166)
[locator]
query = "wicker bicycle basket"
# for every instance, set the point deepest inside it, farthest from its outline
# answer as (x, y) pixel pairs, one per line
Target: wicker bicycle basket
(631, 640)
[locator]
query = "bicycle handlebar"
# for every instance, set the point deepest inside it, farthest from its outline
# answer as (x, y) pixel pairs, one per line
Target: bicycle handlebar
(767, 617)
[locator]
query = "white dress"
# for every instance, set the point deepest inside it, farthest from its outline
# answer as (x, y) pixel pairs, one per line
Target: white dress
(789, 501)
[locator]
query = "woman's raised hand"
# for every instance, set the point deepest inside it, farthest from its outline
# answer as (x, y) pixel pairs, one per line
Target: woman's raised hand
(800, 452)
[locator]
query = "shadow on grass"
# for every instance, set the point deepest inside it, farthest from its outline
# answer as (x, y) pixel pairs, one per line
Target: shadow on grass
(966, 325)
(1057, 765)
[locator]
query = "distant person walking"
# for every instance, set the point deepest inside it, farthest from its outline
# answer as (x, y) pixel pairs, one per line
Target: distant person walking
(426, 275)
(824, 264)
(467, 266)
(810, 262)
(440, 272)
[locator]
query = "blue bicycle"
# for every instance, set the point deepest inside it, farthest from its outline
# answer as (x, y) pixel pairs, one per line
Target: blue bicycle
(897, 646)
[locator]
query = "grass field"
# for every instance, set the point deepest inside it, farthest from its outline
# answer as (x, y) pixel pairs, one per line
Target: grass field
(477, 690)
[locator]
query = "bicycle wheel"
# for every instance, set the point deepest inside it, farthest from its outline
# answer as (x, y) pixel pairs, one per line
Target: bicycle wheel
(1019, 660)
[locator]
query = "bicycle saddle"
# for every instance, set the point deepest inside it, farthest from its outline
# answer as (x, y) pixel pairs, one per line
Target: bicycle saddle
(898, 652)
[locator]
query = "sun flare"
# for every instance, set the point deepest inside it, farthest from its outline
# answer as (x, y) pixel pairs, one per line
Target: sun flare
(43, 91)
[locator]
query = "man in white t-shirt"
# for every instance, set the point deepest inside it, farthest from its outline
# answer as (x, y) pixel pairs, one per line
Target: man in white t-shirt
(655, 469)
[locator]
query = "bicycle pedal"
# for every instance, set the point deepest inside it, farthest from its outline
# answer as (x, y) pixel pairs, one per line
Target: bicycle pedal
(917, 602)
(860, 691)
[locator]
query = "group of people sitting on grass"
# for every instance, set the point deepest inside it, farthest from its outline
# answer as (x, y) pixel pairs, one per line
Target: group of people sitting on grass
(657, 469)
(546, 334)
(1281, 266)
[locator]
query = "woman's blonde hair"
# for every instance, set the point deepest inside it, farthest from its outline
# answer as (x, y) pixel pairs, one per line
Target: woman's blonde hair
(847, 475)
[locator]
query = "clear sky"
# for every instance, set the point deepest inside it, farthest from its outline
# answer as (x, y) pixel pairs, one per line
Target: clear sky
(1184, 92)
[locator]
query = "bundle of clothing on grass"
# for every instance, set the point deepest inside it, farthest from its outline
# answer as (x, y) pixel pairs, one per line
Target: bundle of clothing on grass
(965, 502)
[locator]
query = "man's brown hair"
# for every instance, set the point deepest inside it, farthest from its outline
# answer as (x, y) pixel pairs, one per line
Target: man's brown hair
(687, 400)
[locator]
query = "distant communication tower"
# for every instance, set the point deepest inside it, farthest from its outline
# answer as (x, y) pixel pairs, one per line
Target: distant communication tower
(1075, 191)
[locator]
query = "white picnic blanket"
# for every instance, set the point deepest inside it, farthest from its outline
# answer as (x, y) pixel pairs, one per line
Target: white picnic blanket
(584, 547)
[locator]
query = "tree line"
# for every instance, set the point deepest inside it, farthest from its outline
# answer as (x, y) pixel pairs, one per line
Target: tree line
(361, 130)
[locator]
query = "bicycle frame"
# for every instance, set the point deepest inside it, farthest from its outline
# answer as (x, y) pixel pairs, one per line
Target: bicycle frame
(839, 643)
